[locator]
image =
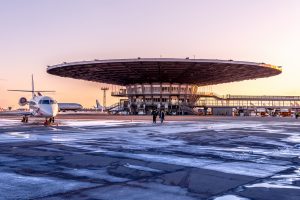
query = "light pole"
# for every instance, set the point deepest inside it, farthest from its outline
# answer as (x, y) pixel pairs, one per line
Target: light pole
(104, 89)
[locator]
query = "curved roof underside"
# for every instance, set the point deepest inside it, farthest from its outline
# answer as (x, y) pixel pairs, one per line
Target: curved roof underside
(157, 70)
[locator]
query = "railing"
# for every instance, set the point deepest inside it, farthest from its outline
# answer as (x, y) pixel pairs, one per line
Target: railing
(272, 98)
(119, 93)
(112, 106)
(216, 96)
(248, 97)
(151, 93)
(248, 103)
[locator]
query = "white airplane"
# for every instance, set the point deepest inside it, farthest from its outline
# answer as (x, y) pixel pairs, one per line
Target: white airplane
(69, 107)
(98, 106)
(40, 106)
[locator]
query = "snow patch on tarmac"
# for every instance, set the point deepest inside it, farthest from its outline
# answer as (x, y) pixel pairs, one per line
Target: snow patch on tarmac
(8, 122)
(142, 168)
(230, 197)
(168, 159)
(140, 190)
(241, 168)
(284, 181)
(293, 139)
(96, 174)
(16, 186)
(106, 123)
(272, 185)
(247, 168)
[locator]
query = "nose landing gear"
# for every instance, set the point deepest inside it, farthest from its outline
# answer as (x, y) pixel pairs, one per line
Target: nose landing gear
(49, 121)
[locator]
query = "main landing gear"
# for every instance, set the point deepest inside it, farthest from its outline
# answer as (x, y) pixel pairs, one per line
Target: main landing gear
(49, 121)
(25, 119)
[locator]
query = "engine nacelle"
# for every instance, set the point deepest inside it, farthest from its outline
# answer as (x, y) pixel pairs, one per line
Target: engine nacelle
(23, 101)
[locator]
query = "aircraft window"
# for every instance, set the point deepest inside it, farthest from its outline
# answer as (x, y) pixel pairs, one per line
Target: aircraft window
(45, 102)
(53, 102)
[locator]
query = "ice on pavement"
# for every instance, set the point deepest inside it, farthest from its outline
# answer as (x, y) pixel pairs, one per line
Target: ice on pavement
(273, 185)
(230, 197)
(232, 147)
(8, 122)
(285, 180)
(107, 123)
(247, 168)
(141, 168)
(168, 159)
(16, 186)
(19, 134)
(96, 174)
(294, 138)
(140, 190)
(242, 168)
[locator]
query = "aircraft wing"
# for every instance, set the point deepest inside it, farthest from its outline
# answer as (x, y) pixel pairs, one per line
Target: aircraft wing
(16, 113)
(69, 107)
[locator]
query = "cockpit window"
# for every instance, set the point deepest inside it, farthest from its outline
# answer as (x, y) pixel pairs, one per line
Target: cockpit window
(47, 101)
(53, 102)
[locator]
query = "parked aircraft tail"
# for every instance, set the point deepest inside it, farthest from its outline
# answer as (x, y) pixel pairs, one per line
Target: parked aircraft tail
(33, 91)
(98, 106)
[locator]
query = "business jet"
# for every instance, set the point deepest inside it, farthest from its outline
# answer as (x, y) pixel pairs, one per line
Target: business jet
(42, 106)
(69, 107)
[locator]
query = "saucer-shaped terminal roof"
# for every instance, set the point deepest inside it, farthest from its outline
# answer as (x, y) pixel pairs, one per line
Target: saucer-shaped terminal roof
(157, 70)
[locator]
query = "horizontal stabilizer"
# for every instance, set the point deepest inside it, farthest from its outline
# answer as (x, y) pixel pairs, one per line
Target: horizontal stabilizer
(31, 91)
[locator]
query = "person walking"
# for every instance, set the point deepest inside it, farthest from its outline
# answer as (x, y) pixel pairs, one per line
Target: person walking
(154, 115)
(162, 116)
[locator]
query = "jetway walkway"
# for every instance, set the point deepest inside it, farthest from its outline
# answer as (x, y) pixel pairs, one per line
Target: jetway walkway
(214, 100)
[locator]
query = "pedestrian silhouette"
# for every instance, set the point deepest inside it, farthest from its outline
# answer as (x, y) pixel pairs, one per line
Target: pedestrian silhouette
(162, 116)
(154, 115)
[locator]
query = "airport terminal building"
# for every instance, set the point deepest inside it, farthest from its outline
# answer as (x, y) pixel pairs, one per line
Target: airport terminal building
(162, 83)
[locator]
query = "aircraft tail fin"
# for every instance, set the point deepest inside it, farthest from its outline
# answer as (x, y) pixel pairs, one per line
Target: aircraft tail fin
(32, 91)
(98, 104)
(32, 86)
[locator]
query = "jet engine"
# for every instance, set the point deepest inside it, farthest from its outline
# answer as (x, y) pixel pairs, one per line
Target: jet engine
(23, 101)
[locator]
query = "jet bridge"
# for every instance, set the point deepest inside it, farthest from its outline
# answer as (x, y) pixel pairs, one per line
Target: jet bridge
(247, 101)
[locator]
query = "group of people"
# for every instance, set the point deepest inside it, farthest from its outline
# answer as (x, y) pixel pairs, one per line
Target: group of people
(161, 115)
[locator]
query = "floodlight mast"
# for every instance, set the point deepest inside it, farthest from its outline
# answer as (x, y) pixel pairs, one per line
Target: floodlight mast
(104, 89)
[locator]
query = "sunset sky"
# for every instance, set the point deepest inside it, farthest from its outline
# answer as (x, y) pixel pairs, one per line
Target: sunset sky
(35, 34)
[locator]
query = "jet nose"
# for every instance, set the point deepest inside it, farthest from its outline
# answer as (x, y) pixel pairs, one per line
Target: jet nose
(48, 113)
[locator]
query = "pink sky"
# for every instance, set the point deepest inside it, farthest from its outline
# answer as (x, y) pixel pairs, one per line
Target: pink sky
(36, 33)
